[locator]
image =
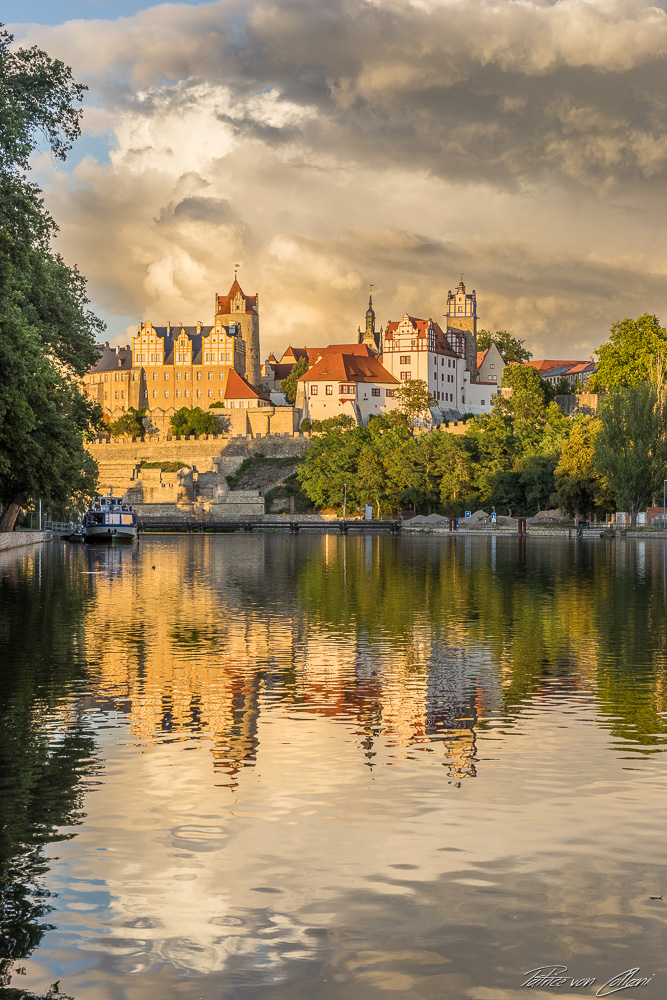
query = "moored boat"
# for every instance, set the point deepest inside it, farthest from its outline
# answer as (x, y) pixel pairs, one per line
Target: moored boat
(108, 519)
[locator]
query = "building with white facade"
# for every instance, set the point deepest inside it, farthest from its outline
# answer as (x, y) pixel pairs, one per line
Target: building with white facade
(353, 384)
(447, 361)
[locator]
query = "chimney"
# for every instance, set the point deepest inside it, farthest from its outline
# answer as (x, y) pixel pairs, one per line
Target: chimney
(117, 350)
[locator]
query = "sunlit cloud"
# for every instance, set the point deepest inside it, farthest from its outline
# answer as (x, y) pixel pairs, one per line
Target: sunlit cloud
(324, 147)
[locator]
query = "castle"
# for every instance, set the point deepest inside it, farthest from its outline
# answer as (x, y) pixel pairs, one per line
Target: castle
(168, 367)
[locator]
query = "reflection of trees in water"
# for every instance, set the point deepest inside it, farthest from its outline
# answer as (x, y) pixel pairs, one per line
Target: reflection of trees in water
(44, 749)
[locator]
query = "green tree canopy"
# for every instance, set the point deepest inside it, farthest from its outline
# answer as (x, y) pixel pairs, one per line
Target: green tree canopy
(630, 448)
(413, 398)
(510, 348)
(131, 424)
(47, 334)
(581, 489)
(288, 386)
(188, 421)
(635, 350)
(530, 393)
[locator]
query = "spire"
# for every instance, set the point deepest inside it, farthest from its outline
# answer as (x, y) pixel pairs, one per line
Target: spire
(369, 336)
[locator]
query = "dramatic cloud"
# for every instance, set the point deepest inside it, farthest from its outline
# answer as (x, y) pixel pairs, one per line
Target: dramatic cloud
(326, 146)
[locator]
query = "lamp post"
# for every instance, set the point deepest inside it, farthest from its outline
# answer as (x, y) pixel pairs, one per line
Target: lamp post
(344, 499)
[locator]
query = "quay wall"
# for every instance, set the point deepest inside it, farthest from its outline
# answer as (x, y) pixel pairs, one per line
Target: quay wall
(17, 539)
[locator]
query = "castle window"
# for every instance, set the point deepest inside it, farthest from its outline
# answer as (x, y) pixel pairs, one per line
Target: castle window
(135, 376)
(166, 393)
(178, 394)
(106, 378)
(483, 402)
(116, 379)
(220, 393)
(187, 376)
(186, 393)
(152, 359)
(405, 376)
(329, 390)
(210, 376)
(221, 375)
(313, 390)
(116, 394)
(375, 392)
(178, 376)
(166, 376)
(404, 359)
(389, 393)
(199, 376)
(154, 393)
(208, 357)
(494, 378)
(105, 395)
(155, 376)
(198, 393)
(210, 393)
(492, 366)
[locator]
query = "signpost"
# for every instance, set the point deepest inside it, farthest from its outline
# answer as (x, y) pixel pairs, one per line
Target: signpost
(468, 514)
(493, 518)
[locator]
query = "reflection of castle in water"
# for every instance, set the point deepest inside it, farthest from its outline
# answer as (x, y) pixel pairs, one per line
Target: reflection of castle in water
(223, 630)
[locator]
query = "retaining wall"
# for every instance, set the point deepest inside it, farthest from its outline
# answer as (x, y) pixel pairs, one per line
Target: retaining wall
(16, 539)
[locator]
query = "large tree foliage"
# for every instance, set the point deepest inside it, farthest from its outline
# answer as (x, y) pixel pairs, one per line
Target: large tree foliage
(188, 421)
(413, 398)
(131, 424)
(635, 351)
(47, 334)
(631, 446)
(581, 488)
(288, 386)
(510, 348)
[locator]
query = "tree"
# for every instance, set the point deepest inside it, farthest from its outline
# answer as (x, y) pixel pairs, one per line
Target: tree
(413, 398)
(630, 448)
(288, 386)
(510, 348)
(530, 394)
(131, 424)
(564, 387)
(188, 421)
(47, 334)
(581, 489)
(630, 356)
(331, 463)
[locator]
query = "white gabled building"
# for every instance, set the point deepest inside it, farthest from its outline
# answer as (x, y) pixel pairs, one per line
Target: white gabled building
(353, 384)
(447, 361)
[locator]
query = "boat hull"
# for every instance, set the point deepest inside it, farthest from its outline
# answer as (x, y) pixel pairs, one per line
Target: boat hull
(110, 533)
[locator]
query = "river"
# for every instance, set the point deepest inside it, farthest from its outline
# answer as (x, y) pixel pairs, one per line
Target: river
(363, 768)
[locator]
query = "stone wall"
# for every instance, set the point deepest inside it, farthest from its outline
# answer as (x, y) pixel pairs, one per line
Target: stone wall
(16, 539)
(206, 463)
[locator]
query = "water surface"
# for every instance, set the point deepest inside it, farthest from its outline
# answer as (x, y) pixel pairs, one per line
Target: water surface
(272, 766)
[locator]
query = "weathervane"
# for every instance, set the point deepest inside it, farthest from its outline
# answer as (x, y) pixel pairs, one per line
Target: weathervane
(236, 267)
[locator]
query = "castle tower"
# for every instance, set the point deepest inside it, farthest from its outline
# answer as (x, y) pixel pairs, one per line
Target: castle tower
(237, 307)
(370, 337)
(461, 318)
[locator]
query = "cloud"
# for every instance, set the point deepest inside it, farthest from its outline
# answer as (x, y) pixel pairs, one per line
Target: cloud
(326, 146)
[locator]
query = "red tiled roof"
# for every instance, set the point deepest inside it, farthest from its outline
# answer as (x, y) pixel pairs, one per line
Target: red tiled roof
(236, 387)
(480, 356)
(296, 353)
(546, 366)
(343, 367)
(280, 371)
(362, 350)
(223, 302)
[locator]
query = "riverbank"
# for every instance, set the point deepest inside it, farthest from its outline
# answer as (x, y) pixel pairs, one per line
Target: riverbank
(18, 539)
